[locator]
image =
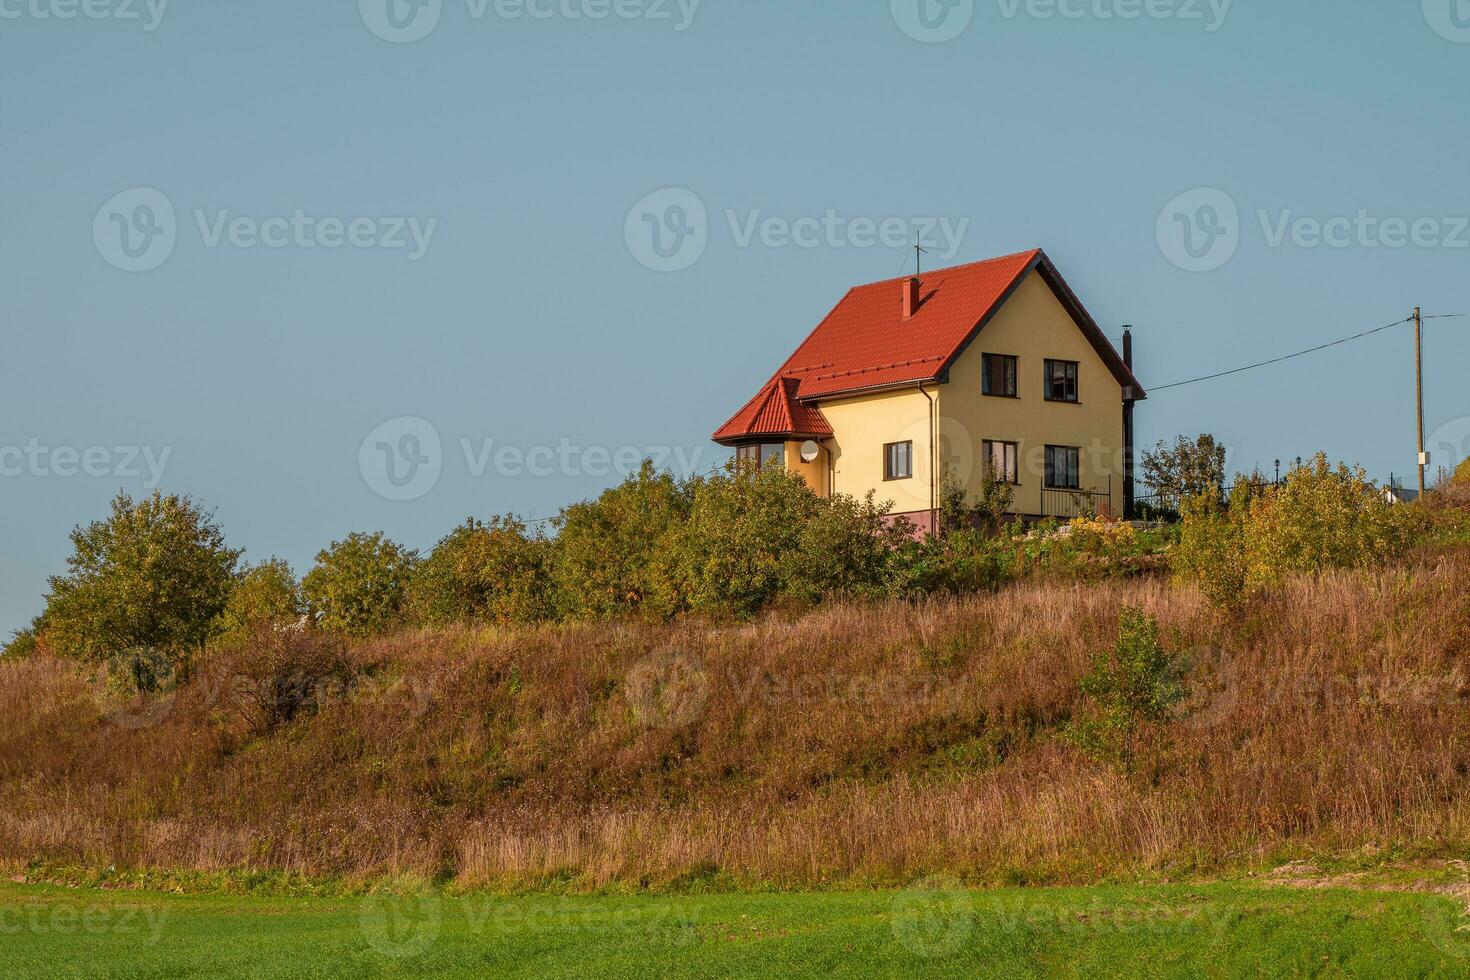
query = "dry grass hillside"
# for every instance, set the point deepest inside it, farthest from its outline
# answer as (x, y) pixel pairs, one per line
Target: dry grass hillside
(858, 744)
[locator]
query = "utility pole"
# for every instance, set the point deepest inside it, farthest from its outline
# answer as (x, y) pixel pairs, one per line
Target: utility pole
(1419, 390)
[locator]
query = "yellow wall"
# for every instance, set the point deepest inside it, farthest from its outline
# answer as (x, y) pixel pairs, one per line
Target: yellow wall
(814, 473)
(863, 426)
(1034, 326)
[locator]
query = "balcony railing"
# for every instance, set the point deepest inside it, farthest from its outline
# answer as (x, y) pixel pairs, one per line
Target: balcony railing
(1067, 504)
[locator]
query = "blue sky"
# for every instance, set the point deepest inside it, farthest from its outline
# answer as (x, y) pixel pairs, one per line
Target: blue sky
(531, 330)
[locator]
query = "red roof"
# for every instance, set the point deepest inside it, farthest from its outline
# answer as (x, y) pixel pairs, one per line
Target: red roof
(866, 344)
(774, 411)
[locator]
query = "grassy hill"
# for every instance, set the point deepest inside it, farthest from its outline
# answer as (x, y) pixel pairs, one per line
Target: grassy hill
(856, 745)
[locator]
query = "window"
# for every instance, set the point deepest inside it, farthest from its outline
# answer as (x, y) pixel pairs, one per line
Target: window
(761, 456)
(898, 461)
(1061, 381)
(998, 375)
(1062, 467)
(1000, 457)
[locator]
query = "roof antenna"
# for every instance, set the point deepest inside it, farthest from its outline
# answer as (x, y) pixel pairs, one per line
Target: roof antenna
(919, 251)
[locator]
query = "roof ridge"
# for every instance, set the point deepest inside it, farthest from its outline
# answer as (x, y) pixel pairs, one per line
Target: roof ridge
(1031, 252)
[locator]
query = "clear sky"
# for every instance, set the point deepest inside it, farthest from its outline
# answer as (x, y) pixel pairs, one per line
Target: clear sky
(452, 192)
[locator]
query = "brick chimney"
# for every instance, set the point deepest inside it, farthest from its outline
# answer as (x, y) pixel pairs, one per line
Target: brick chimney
(910, 297)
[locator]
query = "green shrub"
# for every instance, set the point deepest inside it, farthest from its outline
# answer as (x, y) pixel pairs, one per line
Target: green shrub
(266, 594)
(847, 547)
(360, 584)
(1321, 517)
(606, 559)
(739, 547)
(1131, 693)
(960, 562)
(493, 572)
(154, 576)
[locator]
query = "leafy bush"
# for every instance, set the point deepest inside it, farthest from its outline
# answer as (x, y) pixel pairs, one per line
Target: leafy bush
(1131, 691)
(741, 543)
(154, 576)
(1321, 517)
(264, 594)
(963, 561)
(492, 572)
(606, 558)
(360, 584)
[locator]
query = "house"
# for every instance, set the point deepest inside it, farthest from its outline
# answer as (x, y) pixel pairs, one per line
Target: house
(994, 364)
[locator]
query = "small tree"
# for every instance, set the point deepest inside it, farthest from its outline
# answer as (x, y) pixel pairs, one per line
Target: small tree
(1131, 690)
(606, 557)
(360, 584)
(266, 594)
(1189, 468)
(143, 588)
(484, 572)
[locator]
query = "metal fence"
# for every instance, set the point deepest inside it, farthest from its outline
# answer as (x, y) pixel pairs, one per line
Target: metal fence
(1068, 504)
(1152, 504)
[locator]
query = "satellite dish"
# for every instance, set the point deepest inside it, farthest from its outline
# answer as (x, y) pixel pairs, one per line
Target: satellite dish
(809, 451)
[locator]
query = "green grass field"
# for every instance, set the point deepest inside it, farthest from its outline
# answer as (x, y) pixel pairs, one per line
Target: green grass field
(1212, 930)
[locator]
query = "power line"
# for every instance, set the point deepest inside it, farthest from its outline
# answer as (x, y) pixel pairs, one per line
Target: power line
(1301, 353)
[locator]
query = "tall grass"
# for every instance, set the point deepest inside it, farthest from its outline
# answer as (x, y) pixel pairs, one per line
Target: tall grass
(857, 744)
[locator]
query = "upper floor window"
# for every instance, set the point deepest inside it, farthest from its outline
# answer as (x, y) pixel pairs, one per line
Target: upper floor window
(898, 461)
(1061, 381)
(998, 375)
(1063, 465)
